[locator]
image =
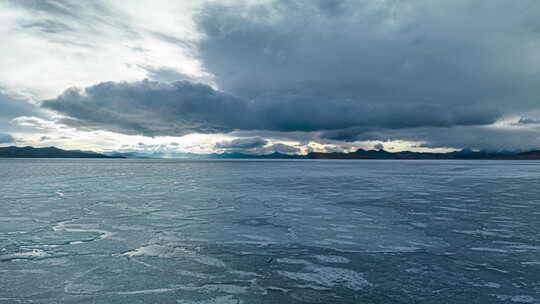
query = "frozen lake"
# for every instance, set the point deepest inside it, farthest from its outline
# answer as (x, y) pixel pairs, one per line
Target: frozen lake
(251, 231)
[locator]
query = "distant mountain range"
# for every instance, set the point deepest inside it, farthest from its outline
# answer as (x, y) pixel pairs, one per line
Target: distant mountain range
(49, 152)
(226, 155)
(358, 154)
(462, 154)
(53, 152)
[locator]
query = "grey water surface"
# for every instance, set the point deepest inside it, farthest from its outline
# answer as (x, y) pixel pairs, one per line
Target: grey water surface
(252, 231)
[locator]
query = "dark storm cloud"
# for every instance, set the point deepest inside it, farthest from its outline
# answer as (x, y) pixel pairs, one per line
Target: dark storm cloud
(351, 134)
(353, 70)
(399, 63)
(331, 7)
(242, 143)
(6, 138)
(153, 109)
(374, 52)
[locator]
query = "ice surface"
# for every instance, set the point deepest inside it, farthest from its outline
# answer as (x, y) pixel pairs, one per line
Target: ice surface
(333, 259)
(169, 231)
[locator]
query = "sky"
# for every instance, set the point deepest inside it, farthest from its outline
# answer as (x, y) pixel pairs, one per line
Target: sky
(288, 76)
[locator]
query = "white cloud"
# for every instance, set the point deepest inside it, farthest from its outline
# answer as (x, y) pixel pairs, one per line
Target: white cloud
(45, 50)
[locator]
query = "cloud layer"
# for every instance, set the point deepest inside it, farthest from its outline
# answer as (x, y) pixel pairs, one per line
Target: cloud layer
(456, 53)
(443, 73)
(157, 109)
(150, 108)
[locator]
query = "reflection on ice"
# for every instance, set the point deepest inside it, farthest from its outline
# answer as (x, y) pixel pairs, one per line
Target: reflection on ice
(155, 251)
(28, 255)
